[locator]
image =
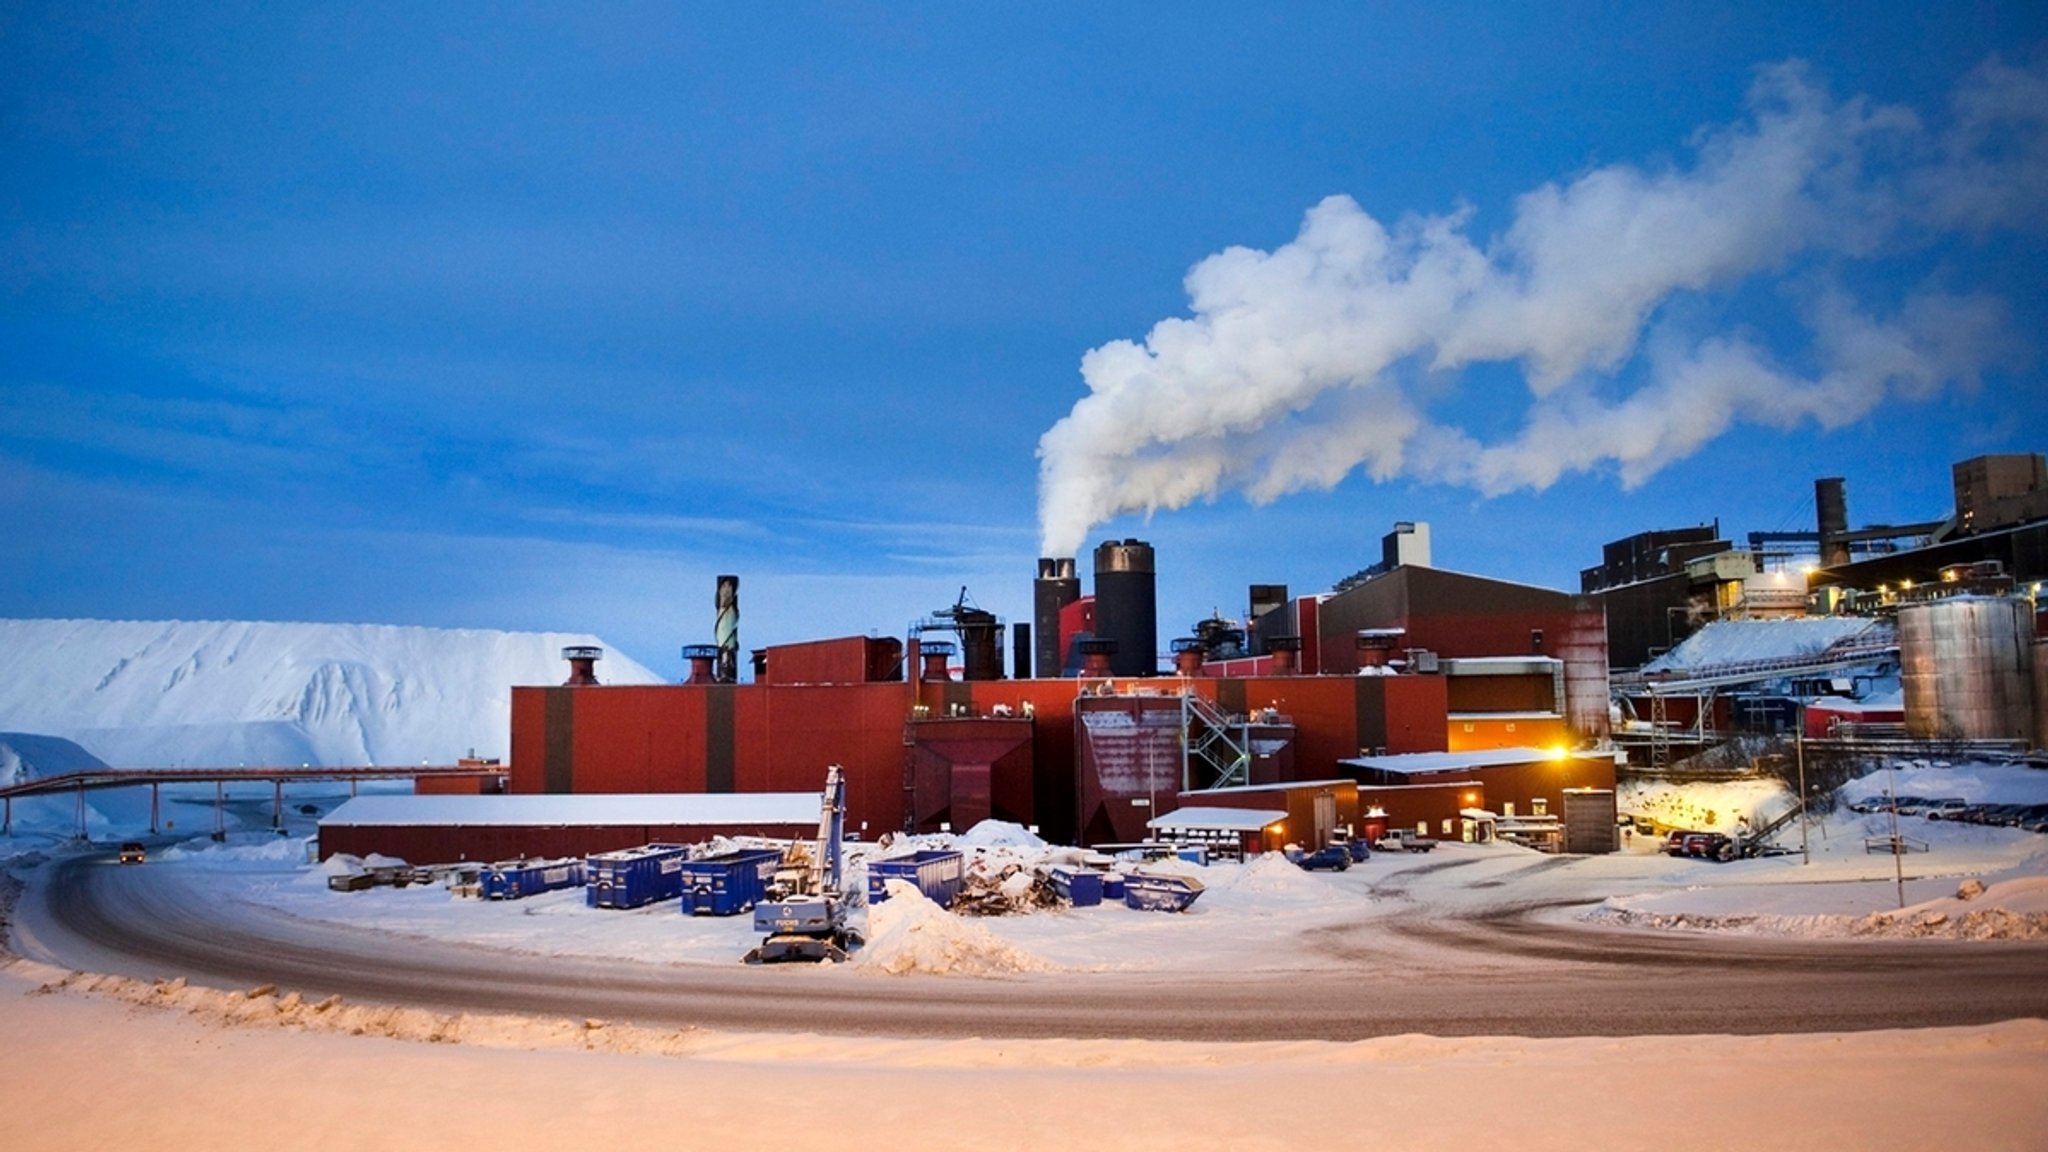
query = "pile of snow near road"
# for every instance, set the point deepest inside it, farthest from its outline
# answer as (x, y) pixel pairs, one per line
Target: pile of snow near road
(141, 694)
(909, 933)
(240, 848)
(1711, 806)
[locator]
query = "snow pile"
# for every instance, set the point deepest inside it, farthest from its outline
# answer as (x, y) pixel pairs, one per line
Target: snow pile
(909, 933)
(1267, 874)
(1000, 834)
(249, 849)
(208, 694)
(1711, 806)
(26, 756)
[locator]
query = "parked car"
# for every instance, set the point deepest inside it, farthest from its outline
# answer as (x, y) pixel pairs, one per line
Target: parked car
(1868, 804)
(1944, 808)
(1335, 856)
(132, 852)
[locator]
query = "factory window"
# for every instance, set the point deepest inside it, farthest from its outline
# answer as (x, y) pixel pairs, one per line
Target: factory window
(1511, 725)
(1471, 727)
(1507, 809)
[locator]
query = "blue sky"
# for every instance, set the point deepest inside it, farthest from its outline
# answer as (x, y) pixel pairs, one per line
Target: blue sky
(528, 318)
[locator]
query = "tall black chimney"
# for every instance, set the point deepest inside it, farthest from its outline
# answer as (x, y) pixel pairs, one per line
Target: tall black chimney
(1126, 606)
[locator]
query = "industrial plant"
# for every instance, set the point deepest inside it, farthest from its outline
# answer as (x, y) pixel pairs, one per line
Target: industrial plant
(1406, 697)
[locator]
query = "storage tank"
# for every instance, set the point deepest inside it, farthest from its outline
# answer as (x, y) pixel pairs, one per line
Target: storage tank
(2040, 691)
(1967, 667)
(1126, 605)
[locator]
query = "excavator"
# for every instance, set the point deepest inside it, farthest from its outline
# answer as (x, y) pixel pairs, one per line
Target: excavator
(804, 914)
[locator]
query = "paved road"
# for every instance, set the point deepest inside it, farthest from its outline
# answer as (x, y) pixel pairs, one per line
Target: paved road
(1500, 973)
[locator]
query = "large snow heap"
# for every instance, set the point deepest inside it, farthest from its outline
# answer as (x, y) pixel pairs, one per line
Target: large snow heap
(141, 694)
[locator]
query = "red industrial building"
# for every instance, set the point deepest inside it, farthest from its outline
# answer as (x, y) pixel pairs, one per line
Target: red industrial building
(1451, 663)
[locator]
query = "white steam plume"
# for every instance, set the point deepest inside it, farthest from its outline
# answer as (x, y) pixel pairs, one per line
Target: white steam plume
(1300, 365)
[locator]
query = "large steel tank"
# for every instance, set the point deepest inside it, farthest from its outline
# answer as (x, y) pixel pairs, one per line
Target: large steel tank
(1967, 664)
(1057, 586)
(2040, 691)
(1126, 606)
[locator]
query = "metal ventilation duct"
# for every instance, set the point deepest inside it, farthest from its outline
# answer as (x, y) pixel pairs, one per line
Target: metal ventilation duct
(726, 630)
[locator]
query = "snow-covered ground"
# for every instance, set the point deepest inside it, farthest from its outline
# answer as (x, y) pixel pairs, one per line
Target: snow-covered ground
(235, 1068)
(207, 694)
(105, 1063)
(1844, 890)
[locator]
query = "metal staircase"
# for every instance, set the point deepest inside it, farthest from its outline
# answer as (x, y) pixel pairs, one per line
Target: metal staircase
(1210, 738)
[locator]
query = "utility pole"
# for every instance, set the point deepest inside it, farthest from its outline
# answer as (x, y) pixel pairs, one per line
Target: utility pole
(1799, 753)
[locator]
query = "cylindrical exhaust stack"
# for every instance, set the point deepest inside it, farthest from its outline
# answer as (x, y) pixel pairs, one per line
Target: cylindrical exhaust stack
(703, 660)
(1020, 651)
(1126, 605)
(1284, 650)
(726, 629)
(935, 653)
(582, 660)
(1098, 657)
(1057, 586)
(1188, 653)
(1376, 646)
(1831, 505)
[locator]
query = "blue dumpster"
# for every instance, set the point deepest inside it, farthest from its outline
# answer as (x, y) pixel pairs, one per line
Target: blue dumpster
(1160, 891)
(633, 877)
(937, 873)
(514, 879)
(1112, 885)
(1078, 886)
(729, 883)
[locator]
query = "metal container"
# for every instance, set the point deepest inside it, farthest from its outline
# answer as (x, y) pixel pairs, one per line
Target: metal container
(1126, 605)
(1080, 887)
(1160, 891)
(517, 879)
(937, 873)
(1967, 667)
(635, 877)
(726, 884)
(1112, 886)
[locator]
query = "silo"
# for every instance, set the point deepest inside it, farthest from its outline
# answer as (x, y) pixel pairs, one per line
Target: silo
(1967, 667)
(2041, 692)
(1057, 586)
(1126, 605)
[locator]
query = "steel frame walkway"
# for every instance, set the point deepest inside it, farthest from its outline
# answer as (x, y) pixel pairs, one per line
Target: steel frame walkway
(78, 783)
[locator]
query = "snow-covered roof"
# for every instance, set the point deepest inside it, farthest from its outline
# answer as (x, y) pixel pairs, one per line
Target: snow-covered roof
(1744, 641)
(748, 808)
(1503, 716)
(1425, 763)
(1215, 819)
(1283, 787)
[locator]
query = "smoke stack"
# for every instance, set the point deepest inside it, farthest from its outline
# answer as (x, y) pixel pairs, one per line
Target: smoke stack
(726, 629)
(1126, 605)
(1098, 656)
(1376, 646)
(1057, 586)
(1020, 651)
(1188, 654)
(1283, 649)
(935, 653)
(582, 660)
(703, 660)
(1831, 505)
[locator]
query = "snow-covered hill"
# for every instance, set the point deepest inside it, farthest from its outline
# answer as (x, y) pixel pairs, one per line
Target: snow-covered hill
(141, 694)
